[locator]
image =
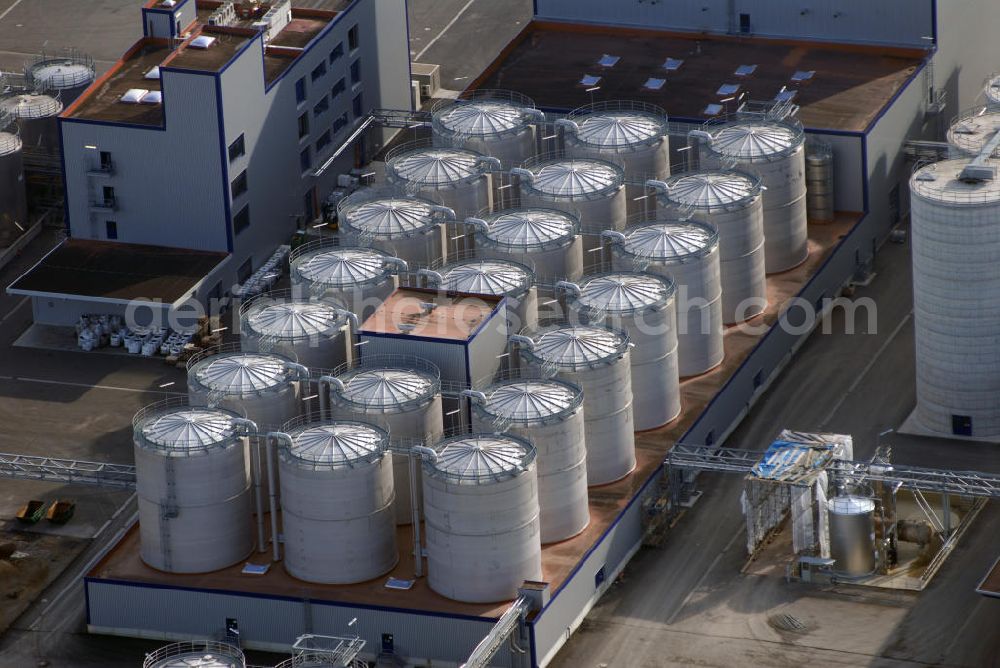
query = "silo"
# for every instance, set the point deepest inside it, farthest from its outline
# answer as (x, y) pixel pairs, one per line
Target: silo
(402, 395)
(688, 253)
(643, 306)
(591, 188)
(68, 74)
(481, 517)
(972, 129)
(196, 653)
(632, 134)
(497, 123)
(496, 278)
(337, 496)
(774, 151)
(457, 178)
(852, 535)
(358, 277)
(314, 333)
(549, 414)
(192, 468)
(956, 279)
(37, 117)
(410, 228)
(819, 182)
(13, 198)
(596, 359)
(548, 239)
(730, 202)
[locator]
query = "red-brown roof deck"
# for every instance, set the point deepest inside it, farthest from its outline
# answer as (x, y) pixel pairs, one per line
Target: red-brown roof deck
(850, 87)
(454, 316)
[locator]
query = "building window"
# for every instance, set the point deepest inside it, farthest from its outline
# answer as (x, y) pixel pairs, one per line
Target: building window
(744, 23)
(300, 90)
(340, 123)
(303, 125)
(239, 184)
(241, 220)
(108, 193)
(352, 38)
(338, 88)
(355, 71)
(305, 159)
(245, 271)
(337, 53)
(323, 141)
(111, 229)
(318, 71)
(322, 106)
(237, 148)
(357, 104)
(106, 164)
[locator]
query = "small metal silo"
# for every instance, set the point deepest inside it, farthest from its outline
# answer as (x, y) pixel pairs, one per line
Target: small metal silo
(196, 653)
(358, 277)
(457, 178)
(547, 239)
(37, 117)
(69, 74)
(13, 197)
(972, 129)
(497, 123)
(852, 535)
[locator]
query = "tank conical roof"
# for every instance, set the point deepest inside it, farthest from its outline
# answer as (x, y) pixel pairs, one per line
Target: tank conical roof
(619, 129)
(755, 139)
(294, 320)
(197, 660)
(189, 428)
(390, 218)
(850, 505)
(486, 277)
(579, 346)
(436, 166)
(31, 105)
(570, 178)
(531, 400)
(971, 133)
(342, 266)
(241, 372)
(386, 388)
(712, 191)
(481, 118)
(60, 74)
(338, 444)
(9, 143)
(940, 183)
(482, 458)
(528, 228)
(625, 292)
(670, 241)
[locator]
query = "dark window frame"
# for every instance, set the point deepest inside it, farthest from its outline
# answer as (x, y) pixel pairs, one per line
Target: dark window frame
(239, 184)
(237, 148)
(241, 220)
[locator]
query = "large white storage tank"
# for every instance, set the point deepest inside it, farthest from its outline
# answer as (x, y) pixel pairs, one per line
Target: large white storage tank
(361, 278)
(497, 123)
(68, 74)
(688, 253)
(632, 134)
(314, 333)
(549, 414)
(730, 202)
(971, 131)
(192, 468)
(590, 188)
(774, 151)
(457, 178)
(13, 197)
(956, 280)
(548, 239)
(196, 653)
(337, 498)
(410, 228)
(596, 359)
(481, 517)
(37, 117)
(497, 278)
(401, 394)
(643, 306)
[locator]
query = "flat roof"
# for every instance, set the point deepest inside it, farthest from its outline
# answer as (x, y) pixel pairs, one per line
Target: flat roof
(990, 586)
(849, 88)
(83, 268)
(102, 102)
(122, 563)
(454, 316)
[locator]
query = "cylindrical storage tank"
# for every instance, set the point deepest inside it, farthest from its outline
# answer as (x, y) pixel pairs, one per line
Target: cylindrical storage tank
(481, 517)
(590, 188)
(495, 278)
(643, 306)
(773, 151)
(199, 653)
(68, 75)
(497, 123)
(547, 239)
(403, 396)
(819, 183)
(731, 203)
(337, 497)
(360, 278)
(316, 334)
(688, 253)
(410, 228)
(852, 535)
(549, 414)
(632, 134)
(37, 118)
(992, 92)
(596, 359)
(192, 468)
(457, 178)
(971, 131)
(13, 197)
(956, 312)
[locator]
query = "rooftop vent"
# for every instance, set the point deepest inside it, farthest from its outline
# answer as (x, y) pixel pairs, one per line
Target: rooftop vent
(202, 42)
(608, 60)
(712, 110)
(152, 97)
(728, 89)
(803, 75)
(153, 73)
(590, 80)
(134, 95)
(672, 64)
(745, 70)
(653, 83)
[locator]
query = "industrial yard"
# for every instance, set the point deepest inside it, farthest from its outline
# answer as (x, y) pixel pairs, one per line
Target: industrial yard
(601, 357)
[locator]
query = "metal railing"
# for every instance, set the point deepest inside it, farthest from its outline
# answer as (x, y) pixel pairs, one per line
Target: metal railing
(194, 647)
(67, 471)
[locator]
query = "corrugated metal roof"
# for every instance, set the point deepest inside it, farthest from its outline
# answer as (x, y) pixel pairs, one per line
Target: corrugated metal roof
(390, 218)
(618, 129)
(189, 428)
(387, 387)
(532, 227)
(486, 277)
(670, 241)
(569, 178)
(575, 346)
(712, 190)
(624, 292)
(755, 139)
(338, 444)
(481, 118)
(294, 320)
(241, 372)
(482, 458)
(435, 166)
(531, 400)
(343, 266)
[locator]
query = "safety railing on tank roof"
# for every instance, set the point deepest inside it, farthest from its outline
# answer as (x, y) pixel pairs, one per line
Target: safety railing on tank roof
(474, 255)
(10, 139)
(69, 57)
(550, 367)
(400, 362)
(645, 109)
(381, 191)
(38, 105)
(467, 476)
(147, 413)
(678, 172)
(486, 163)
(304, 422)
(970, 114)
(202, 647)
(285, 296)
(536, 163)
(507, 97)
(233, 347)
(661, 216)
